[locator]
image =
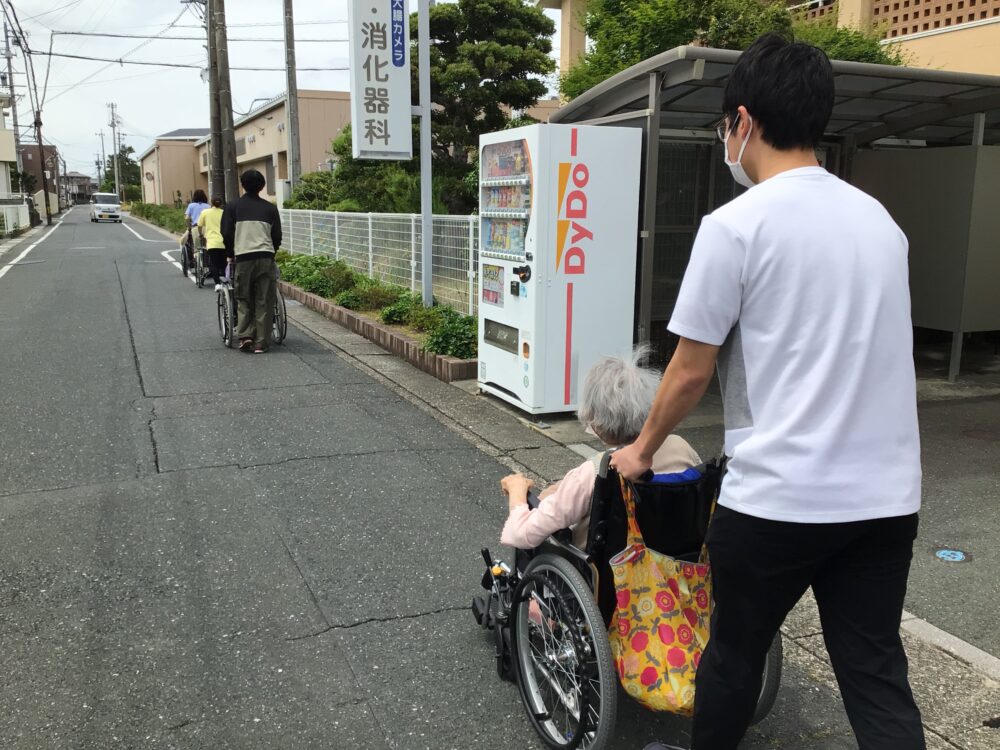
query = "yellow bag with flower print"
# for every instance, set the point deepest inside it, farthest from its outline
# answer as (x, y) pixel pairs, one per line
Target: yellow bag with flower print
(661, 621)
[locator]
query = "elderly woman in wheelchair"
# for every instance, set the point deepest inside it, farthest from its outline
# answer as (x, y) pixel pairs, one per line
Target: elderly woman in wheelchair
(549, 614)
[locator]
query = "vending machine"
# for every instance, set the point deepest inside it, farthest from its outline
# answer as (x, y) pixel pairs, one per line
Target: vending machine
(559, 208)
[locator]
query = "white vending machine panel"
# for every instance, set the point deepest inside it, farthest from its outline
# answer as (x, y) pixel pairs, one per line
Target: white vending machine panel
(559, 209)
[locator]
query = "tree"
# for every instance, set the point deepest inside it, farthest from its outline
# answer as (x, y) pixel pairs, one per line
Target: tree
(842, 43)
(128, 171)
(487, 58)
(625, 32)
(24, 182)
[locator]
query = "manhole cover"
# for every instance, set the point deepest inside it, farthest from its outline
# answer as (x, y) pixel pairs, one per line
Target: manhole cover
(993, 435)
(951, 555)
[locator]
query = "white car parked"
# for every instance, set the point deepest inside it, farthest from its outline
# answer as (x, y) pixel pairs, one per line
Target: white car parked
(105, 207)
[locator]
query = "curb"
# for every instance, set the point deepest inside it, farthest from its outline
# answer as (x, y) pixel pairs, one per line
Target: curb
(443, 367)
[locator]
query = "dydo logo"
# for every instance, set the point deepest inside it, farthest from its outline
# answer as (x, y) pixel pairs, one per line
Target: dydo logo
(570, 226)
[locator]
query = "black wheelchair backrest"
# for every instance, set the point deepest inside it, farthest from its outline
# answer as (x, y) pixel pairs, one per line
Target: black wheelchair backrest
(673, 519)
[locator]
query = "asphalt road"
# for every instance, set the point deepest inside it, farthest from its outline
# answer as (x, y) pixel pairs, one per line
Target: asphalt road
(205, 549)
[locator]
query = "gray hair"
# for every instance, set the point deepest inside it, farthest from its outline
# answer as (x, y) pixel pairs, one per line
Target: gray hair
(617, 397)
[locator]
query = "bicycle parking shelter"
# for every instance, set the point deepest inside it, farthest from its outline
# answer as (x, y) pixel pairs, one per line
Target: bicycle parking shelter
(926, 143)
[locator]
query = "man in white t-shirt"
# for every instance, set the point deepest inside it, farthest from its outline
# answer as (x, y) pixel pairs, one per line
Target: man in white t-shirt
(798, 289)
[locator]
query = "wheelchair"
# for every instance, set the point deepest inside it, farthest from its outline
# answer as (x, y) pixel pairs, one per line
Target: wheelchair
(550, 614)
(226, 309)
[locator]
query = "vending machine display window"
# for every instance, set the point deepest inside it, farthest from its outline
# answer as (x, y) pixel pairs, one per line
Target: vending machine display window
(505, 199)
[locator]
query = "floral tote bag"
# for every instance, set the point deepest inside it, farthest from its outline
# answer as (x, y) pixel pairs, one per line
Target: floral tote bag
(661, 622)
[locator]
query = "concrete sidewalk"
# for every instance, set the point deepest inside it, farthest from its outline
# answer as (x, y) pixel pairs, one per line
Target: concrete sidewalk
(957, 684)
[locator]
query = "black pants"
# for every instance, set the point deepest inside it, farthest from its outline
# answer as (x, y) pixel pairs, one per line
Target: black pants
(858, 573)
(216, 264)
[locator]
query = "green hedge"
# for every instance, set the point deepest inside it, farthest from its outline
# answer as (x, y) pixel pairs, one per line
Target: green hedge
(168, 217)
(448, 331)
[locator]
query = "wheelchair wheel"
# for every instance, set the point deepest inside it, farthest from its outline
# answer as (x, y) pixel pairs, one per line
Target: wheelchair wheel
(227, 320)
(772, 679)
(280, 324)
(563, 660)
(199, 268)
(185, 261)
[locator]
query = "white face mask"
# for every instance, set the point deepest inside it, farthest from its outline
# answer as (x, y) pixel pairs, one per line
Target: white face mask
(736, 167)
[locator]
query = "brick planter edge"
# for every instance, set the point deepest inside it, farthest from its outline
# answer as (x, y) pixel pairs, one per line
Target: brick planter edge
(440, 366)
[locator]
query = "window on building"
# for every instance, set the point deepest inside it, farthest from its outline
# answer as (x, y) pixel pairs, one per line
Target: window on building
(982, 14)
(927, 12)
(241, 146)
(895, 19)
(895, 6)
(906, 16)
(947, 22)
(926, 26)
(937, 24)
(906, 4)
(937, 9)
(948, 8)
(972, 17)
(961, 5)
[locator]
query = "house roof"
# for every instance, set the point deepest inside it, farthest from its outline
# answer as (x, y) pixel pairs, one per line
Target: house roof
(872, 101)
(186, 134)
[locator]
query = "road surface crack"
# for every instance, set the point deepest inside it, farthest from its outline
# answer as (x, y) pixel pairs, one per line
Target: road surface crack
(370, 620)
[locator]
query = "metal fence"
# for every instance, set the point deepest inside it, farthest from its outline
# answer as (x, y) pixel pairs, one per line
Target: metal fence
(387, 247)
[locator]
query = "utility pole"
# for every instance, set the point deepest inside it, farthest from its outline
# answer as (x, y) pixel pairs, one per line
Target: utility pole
(9, 54)
(115, 146)
(98, 162)
(216, 175)
(104, 158)
(41, 163)
(292, 100)
(225, 102)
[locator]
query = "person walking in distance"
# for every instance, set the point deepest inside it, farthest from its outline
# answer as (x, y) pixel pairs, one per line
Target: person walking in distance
(799, 289)
(251, 231)
(210, 228)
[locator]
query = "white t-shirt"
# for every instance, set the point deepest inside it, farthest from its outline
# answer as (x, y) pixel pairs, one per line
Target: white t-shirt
(803, 280)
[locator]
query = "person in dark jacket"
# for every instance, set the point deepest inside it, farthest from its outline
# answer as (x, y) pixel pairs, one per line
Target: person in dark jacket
(251, 231)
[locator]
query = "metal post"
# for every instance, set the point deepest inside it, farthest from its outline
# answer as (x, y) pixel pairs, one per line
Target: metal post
(225, 102)
(648, 233)
(115, 147)
(294, 157)
(955, 363)
(336, 235)
(312, 235)
(472, 264)
(978, 128)
(371, 257)
(426, 205)
(413, 252)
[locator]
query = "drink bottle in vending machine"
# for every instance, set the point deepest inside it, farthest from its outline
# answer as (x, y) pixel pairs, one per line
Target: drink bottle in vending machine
(559, 207)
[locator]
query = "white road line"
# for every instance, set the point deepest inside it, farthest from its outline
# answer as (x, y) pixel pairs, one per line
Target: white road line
(176, 263)
(141, 237)
(31, 247)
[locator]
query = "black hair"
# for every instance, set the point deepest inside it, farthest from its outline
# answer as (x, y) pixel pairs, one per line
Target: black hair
(199, 196)
(217, 201)
(787, 87)
(252, 181)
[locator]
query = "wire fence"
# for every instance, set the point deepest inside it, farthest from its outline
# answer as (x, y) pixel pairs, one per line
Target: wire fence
(387, 247)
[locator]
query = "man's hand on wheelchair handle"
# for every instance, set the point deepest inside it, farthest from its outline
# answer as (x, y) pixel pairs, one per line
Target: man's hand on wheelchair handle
(516, 487)
(630, 462)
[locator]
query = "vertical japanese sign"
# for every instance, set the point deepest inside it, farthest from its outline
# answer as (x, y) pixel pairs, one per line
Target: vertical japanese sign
(380, 79)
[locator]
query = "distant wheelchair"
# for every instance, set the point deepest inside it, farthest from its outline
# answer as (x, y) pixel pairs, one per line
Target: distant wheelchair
(549, 615)
(227, 309)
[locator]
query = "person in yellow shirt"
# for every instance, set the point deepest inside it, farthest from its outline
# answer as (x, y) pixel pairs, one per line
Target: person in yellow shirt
(210, 228)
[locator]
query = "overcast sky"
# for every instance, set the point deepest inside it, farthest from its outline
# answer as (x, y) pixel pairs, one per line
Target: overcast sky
(157, 100)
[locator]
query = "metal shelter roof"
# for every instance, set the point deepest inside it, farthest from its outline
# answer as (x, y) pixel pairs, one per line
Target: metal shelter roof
(872, 101)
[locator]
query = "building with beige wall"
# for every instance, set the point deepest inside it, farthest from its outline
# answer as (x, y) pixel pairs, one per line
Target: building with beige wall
(262, 137)
(170, 167)
(958, 35)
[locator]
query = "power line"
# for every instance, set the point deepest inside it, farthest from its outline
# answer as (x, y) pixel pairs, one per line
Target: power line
(184, 38)
(121, 61)
(54, 10)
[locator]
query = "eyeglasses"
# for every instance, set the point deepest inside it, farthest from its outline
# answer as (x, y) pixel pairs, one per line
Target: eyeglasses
(722, 131)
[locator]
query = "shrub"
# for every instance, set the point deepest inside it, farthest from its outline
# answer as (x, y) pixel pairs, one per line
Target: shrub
(426, 319)
(167, 217)
(281, 257)
(456, 336)
(349, 299)
(340, 277)
(398, 313)
(298, 267)
(374, 295)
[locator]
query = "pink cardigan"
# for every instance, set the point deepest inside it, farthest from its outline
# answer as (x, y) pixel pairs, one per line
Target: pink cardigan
(568, 505)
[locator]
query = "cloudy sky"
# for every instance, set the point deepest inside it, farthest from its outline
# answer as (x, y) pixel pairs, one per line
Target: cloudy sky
(154, 100)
